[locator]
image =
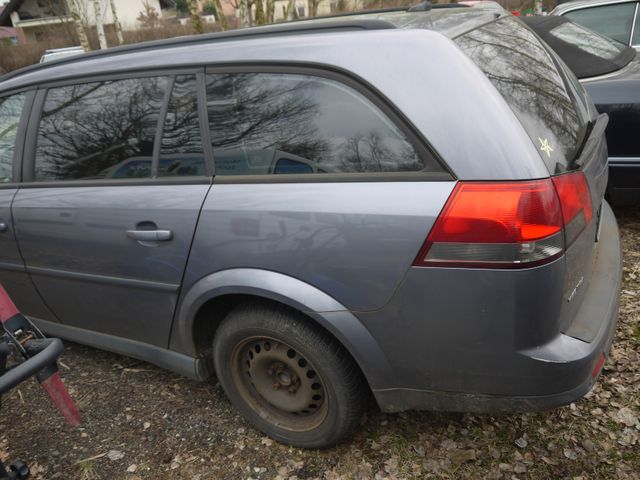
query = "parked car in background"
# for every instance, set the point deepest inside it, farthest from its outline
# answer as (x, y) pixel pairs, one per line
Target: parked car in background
(610, 72)
(617, 19)
(437, 234)
(57, 53)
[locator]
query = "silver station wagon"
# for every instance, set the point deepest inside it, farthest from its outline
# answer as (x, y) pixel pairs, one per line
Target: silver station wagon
(407, 204)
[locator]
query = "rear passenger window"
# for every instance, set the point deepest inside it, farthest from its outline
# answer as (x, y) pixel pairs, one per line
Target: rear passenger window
(181, 152)
(100, 130)
(10, 112)
(264, 123)
(522, 70)
(614, 21)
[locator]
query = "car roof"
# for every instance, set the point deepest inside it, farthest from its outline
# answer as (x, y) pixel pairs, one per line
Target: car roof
(462, 100)
(577, 4)
(450, 22)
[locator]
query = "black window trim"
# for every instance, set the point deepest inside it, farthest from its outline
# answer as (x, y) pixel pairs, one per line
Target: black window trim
(162, 119)
(28, 164)
(395, 116)
(203, 117)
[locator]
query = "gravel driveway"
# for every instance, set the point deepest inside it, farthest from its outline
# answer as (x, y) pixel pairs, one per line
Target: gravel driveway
(143, 422)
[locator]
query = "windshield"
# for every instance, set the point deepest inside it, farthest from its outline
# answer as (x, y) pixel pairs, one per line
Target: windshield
(527, 76)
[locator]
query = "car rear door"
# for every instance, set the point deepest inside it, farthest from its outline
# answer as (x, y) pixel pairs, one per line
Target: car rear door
(106, 246)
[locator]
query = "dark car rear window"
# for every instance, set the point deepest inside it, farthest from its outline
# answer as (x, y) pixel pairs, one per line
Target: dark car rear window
(587, 53)
(525, 73)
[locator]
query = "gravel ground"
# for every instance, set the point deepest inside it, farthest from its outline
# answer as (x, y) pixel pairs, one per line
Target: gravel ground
(143, 422)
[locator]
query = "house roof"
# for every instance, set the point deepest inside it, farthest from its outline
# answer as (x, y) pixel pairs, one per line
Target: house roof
(8, 32)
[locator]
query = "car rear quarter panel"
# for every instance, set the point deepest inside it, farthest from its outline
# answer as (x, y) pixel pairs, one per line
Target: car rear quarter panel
(353, 241)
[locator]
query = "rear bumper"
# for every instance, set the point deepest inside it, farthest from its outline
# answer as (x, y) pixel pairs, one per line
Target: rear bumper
(482, 374)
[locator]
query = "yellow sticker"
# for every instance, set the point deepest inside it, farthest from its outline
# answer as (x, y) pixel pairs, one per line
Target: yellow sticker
(545, 147)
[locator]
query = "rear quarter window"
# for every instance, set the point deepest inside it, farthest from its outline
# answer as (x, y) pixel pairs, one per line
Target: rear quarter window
(527, 77)
(282, 124)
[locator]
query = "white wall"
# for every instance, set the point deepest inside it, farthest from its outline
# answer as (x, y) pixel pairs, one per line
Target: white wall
(324, 7)
(128, 11)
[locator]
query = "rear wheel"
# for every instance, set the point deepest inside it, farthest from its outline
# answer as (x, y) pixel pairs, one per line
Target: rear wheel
(288, 377)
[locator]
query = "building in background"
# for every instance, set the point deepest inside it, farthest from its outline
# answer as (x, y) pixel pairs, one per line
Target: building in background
(325, 7)
(8, 36)
(37, 19)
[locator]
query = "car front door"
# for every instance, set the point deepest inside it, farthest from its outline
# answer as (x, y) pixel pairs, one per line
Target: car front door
(13, 276)
(105, 239)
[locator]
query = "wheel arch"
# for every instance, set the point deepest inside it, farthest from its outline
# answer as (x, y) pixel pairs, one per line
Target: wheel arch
(212, 297)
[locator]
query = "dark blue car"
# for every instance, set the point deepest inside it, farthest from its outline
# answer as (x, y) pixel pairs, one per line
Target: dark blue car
(610, 72)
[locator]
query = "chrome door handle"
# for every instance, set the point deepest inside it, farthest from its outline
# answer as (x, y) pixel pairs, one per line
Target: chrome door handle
(150, 235)
(3, 227)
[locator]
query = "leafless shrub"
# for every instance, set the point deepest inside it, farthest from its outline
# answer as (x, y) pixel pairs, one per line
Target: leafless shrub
(149, 17)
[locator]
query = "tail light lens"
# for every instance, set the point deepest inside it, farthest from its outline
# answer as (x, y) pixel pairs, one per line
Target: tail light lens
(506, 224)
(575, 199)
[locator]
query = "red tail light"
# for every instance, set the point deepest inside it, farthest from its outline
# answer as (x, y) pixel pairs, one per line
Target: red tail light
(575, 199)
(505, 224)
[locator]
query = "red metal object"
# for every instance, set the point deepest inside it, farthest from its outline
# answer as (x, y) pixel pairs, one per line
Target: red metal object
(26, 337)
(7, 307)
(598, 366)
(61, 398)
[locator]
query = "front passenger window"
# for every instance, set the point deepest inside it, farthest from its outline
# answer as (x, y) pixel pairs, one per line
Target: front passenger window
(10, 112)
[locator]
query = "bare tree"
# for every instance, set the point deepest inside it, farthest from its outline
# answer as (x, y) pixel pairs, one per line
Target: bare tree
(312, 8)
(196, 19)
(270, 7)
(116, 22)
(219, 14)
(97, 12)
(291, 13)
(74, 9)
(245, 13)
(149, 17)
(260, 17)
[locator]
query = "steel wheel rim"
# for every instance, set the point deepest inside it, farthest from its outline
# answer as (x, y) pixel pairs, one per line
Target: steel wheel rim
(279, 383)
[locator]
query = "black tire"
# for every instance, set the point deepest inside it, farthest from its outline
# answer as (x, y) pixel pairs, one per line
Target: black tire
(249, 352)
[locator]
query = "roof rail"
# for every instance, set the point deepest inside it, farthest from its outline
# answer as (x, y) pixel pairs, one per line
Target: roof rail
(285, 28)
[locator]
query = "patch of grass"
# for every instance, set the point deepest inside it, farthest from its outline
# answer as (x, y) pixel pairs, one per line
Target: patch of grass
(635, 334)
(88, 470)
